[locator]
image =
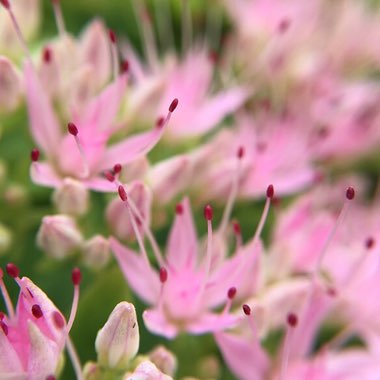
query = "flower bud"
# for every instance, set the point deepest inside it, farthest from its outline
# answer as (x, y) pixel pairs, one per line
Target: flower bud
(92, 371)
(58, 236)
(5, 238)
(96, 252)
(164, 360)
(118, 341)
(71, 197)
(146, 371)
(118, 216)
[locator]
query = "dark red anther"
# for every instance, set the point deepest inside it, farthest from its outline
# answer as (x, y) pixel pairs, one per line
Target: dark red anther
(231, 293)
(292, 320)
(5, 4)
(76, 276)
(51, 377)
(331, 291)
(36, 311)
(72, 128)
(270, 192)
(12, 270)
(125, 66)
(47, 54)
(179, 209)
(4, 327)
(112, 36)
(284, 25)
(117, 168)
(34, 154)
(369, 242)
(237, 228)
(207, 212)
(240, 152)
(350, 193)
(246, 309)
(122, 193)
(2, 315)
(160, 122)
(173, 105)
(213, 57)
(59, 321)
(163, 275)
(109, 176)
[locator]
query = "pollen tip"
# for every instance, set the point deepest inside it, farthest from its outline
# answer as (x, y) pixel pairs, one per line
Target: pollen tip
(122, 193)
(237, 228)
(270, 192)
(117, 168)
(36, 311)
(47, 54)
(160, 122)
(163, 275)
(12, 270)
(240, 152)
(5, 4)
(4, 327)
(125, 66)
(173, 105)
(72, 128)
(112, 36)
(76, 276)
(208, 212)
(369, 242)
(246, 309)
(292, 319)
(34, 154)
(350, 193)
(231, 293)
(179, 209)
(109, 176)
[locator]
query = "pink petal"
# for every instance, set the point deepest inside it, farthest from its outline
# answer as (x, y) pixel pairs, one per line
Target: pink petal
(209, 322)
(156, 322)
(131, 148)
(44, 125)
(9, 360)
(43, 174)
(245, 357)
(101, 112)
(183, 244)
(140, 276)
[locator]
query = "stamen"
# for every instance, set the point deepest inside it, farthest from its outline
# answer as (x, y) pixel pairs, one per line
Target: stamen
(73, 130)
(233, 193)
(146, 32)
(7, 299)
(350, 194)
(117, 168)
(59, 17)
(4, 327)
(231, 293)
(115, 60)
(125, 66)
(292, 321)
(12, 270)
(237, 232)
(74, 358)
(252, 325)
(6, 4)
(47, 55)
(34, 154)
(76, 278)
(50, 377)
(163, 274)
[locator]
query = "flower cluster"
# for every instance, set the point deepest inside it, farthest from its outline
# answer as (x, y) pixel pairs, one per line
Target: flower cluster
(259, 117)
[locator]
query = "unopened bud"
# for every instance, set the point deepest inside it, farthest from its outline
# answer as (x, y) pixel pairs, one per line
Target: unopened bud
(164, 360)
(92, 371)
(71, 197)
(58, 236)
(118, 341)
(96, 252)
(5, 239)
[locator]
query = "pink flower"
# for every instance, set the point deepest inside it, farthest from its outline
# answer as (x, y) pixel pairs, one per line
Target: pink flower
(82, 152)
(188, 286)
(33, 336)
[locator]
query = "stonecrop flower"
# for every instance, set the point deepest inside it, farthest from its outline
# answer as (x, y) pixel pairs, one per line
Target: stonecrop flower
(33, 336)
(188, 285)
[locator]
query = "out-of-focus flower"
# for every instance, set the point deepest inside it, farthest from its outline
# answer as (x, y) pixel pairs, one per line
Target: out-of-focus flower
(147, 371)
(5, 239)
(164, 360)
(10, 85)
(33, 336)
(59, 236)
